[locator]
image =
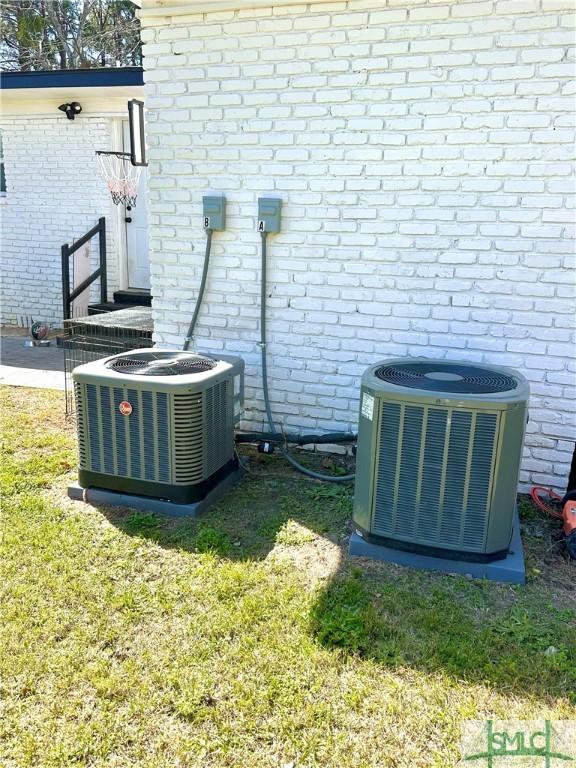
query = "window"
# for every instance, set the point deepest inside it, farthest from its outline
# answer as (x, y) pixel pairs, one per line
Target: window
(2, 174)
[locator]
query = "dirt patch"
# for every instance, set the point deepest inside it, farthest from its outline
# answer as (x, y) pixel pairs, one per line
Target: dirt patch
(316, 561)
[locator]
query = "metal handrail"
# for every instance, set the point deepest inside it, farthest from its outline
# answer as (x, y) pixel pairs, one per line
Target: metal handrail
(67, 251)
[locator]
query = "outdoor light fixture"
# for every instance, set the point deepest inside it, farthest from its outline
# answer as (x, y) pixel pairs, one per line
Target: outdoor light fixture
(72, 109)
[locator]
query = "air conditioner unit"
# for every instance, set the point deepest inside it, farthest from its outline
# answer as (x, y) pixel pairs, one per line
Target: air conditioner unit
(438, 459)
(157, 423)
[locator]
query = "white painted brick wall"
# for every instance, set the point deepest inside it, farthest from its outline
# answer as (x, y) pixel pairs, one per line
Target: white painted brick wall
(54, 195)
(423, 153)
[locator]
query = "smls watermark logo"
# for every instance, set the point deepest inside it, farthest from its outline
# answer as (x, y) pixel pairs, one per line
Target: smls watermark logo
(519, 744)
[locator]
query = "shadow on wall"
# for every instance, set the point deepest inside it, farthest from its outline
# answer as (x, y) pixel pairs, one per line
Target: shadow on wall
(521, 639)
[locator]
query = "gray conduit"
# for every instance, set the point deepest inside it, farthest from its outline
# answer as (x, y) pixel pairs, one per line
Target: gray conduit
(304, 470)
(192, 326)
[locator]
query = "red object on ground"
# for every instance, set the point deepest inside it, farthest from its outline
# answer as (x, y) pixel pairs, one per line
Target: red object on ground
(536, 494)
(569, 517)
(564, 509)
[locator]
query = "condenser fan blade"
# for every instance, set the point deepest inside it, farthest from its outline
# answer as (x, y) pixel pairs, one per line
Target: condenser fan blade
(161, 364)
(439, 376)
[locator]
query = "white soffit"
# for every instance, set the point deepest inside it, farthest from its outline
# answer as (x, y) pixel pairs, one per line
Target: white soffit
(103, 101)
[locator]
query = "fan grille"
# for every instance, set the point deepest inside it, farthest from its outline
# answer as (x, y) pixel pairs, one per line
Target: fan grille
(161, 364)
(454, 378)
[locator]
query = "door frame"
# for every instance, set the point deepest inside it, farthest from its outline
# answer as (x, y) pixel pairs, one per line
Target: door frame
(119, 214)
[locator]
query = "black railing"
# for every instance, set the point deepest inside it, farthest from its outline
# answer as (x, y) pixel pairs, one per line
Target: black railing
(68, 250)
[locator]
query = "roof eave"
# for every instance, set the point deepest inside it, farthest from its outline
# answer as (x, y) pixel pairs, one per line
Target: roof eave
(152, 8)
(73, 78)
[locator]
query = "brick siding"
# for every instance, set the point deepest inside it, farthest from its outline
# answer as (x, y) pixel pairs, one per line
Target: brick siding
(423, 154)
(54, 195)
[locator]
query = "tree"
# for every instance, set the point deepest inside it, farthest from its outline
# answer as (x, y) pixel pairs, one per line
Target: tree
(68, 34)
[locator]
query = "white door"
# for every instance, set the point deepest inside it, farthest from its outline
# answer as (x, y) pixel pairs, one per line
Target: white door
(136, 223)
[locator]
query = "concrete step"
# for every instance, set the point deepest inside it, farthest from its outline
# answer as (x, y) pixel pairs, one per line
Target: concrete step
(133, 296)
(108, 306)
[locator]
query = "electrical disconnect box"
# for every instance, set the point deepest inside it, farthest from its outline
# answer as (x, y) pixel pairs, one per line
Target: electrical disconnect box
(269, 209)
(214, 211)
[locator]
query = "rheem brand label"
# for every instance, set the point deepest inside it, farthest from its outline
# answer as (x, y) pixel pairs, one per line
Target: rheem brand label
(125, 408)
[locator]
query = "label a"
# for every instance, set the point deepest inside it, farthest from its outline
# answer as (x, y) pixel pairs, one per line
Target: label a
(367, 406)
(125, 408)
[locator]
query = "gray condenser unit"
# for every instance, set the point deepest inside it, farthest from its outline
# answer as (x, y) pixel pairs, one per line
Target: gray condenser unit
(438, 459)
(157, 423)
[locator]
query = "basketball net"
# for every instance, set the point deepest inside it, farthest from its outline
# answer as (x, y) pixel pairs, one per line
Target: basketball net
(121, 176)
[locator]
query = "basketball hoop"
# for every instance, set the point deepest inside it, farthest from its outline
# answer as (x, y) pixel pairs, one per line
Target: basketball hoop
(121, 176)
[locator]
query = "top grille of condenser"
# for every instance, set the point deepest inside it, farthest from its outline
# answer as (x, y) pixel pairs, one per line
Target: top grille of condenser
(453, 378)
(161, 364)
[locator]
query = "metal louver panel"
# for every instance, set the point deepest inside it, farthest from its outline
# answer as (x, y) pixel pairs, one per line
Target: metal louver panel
(135, 446)
(188, 438)
(218, 443)
(135, 436)
(93, 428)
(203, 435)
(433, 475)
(149, 438)
(80, 416)
(121, 445)
(160, 423)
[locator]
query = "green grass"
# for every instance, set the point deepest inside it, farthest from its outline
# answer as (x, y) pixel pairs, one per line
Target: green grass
(247, 638)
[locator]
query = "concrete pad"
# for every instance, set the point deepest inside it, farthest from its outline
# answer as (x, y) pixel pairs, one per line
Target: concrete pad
(26, 377)
(510, 570)
(98, 496)
(38, 367)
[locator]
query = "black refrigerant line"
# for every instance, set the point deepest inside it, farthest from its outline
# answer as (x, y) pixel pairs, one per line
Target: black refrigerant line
(326, 438)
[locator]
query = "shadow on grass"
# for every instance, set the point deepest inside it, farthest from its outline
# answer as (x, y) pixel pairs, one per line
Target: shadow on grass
(518, 639)
(252, 518)
(523, 644)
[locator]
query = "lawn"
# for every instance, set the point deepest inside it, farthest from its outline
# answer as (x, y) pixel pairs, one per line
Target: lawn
(247, 638)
